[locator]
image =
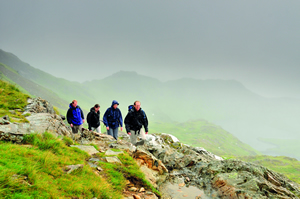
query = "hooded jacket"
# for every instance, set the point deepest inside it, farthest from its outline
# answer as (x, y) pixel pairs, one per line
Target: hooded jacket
(112, 118)
(134, 120)
(93, 118)
(75, 115)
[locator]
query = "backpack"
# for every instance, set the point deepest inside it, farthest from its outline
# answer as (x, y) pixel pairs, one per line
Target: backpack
(88, 118)
(130, 107)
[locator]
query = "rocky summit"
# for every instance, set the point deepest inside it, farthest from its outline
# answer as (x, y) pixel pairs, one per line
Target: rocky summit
(175, 169)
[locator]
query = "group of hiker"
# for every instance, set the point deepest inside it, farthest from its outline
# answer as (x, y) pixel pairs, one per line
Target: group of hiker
(134, 121)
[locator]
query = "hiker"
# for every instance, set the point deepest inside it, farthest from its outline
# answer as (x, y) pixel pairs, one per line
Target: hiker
(112, 119)
(75, 117)
(134, 120)
(93, 119)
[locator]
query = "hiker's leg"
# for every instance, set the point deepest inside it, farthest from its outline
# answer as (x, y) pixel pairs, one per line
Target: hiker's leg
(133, 137)
(75, 129)
(80, 127)
(110, 132)
(116, 133)
(142, 133)
(95, 129)
(142, 137)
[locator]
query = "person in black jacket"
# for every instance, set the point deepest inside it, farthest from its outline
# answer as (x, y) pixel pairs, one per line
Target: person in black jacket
(134, 121)
(93, 119)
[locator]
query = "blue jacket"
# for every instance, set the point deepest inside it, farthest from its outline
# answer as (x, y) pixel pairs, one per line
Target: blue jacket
(112, 118)
(75, 115)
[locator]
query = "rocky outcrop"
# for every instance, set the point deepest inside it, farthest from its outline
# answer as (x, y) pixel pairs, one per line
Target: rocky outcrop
(166, 163)
(38, 105)
(41, 117)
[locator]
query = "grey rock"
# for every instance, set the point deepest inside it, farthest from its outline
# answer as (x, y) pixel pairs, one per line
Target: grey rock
(71, 168)
(110, 152)
(89, 149)
(38, 105)
(113, 160)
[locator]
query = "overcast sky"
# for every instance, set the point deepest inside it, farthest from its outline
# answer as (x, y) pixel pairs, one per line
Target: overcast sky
(254, 42)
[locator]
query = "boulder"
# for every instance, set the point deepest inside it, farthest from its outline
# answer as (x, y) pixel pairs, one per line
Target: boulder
(38, 105)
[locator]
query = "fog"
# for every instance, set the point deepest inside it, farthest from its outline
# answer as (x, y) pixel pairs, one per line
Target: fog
(254, 42)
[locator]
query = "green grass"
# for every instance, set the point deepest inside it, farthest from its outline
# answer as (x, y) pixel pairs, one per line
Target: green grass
(200, 133)
(11, 99)
(37, 171)
(289, 167)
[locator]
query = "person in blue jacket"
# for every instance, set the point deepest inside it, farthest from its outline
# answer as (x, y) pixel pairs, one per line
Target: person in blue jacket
(112, 119)
(75, 117)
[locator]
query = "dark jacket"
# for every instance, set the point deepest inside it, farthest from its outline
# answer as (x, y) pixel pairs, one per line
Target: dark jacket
(134, 120)
(75, 115)
(93, 118)
(112, 118)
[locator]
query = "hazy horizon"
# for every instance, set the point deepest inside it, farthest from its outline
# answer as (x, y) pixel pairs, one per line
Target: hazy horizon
(253, 42)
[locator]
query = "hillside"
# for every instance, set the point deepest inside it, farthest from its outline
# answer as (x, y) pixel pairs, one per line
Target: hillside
(201, 133)
(30, 87)
(64, 89)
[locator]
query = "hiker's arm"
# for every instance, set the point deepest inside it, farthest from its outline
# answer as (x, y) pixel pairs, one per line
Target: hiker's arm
(145, 123)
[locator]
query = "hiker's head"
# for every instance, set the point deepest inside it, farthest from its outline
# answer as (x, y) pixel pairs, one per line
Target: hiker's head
(137, 105)
(115, 104)
(97, 107)
(74, 103)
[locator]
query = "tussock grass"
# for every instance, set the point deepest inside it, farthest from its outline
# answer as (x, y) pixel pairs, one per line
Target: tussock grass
(11, 99)
(36, 170)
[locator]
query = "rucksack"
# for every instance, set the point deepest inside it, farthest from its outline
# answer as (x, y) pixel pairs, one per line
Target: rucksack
(88, 118)
(130, 107)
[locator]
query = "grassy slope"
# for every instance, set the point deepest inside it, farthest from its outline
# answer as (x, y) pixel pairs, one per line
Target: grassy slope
(37, 171)
(10, 99)
(34, 89)
(201, 133)
(3, 77)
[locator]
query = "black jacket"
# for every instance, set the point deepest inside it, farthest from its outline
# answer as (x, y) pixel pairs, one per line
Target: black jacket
(134, 120)
(93, 118)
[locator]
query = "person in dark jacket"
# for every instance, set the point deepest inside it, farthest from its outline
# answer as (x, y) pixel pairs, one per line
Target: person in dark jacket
(93, 119)
(134, 120)
(112, 119)
(75, 117)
